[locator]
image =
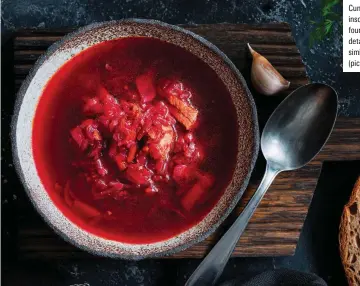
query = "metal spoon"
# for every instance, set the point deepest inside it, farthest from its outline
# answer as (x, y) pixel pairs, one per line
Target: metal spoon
(293, 135)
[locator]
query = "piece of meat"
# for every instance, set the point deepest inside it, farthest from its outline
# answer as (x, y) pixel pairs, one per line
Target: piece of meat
(160, 146)
(182, 110)
(160, 143)
(188, 123)
(183, 107)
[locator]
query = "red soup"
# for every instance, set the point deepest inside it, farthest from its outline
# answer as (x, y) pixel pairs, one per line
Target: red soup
(135, 139)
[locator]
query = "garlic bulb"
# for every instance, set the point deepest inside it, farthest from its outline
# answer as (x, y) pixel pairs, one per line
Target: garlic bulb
(265, 78)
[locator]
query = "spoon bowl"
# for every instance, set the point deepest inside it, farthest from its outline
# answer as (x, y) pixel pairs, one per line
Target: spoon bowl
(299, 126)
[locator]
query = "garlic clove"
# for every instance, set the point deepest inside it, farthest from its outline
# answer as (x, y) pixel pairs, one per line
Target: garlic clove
(264, 77)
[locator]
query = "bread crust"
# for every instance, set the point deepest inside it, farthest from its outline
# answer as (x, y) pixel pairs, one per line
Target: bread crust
(349, 237)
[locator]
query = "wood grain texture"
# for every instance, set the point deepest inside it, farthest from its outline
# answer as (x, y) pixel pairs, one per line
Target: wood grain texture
(276, 225)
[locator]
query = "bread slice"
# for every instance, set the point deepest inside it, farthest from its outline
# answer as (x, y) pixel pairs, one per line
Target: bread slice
(349, 237)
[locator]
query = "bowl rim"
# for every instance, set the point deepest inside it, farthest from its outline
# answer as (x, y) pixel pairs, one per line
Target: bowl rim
(255, 135)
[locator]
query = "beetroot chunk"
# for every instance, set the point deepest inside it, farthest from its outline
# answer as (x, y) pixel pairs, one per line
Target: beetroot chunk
(138, 174)
(146, 87)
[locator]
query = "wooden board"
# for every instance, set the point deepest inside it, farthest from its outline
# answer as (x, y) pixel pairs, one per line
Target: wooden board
(275, 227)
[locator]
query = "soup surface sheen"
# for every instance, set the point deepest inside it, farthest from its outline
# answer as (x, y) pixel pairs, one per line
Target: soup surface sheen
(135, 139)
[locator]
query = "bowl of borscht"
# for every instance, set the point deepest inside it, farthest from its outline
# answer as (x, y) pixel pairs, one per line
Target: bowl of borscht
(134, 138)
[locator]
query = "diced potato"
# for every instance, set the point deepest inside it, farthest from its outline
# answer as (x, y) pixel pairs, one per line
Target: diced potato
(197, 192)
(146, 87)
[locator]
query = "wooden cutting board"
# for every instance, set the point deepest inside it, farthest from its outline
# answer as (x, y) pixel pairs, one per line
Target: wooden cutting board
(275, 227)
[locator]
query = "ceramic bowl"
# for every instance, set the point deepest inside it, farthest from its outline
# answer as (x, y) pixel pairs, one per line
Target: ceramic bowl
(71, 45)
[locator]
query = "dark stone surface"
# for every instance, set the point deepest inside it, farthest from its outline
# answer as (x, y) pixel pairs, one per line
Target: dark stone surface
(323, 60)
(317, 249)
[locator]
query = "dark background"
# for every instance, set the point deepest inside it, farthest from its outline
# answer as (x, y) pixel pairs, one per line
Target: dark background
(317, 250)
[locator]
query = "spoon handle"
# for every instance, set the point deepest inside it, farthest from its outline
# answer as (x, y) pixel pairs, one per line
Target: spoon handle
(210, 269)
